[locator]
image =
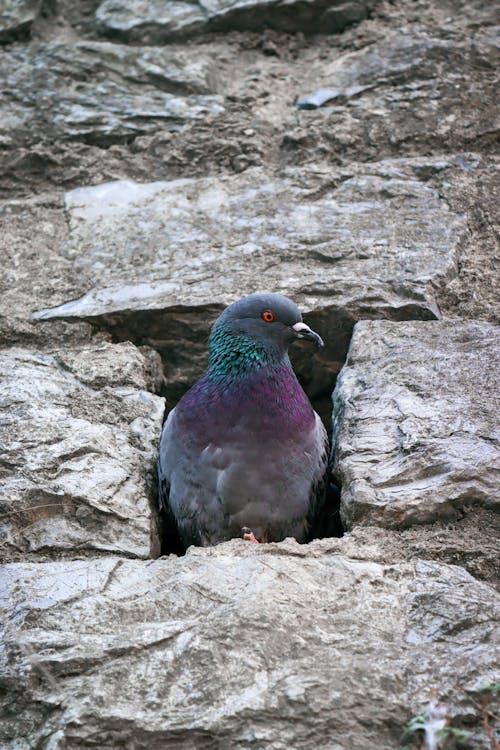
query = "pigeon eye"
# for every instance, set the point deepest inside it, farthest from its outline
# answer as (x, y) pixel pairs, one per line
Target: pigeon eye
(268, 316)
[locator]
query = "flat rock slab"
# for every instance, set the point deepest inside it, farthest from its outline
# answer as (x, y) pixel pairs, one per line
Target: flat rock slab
(101, 92)
(157, 21)
(16, 18)
(278, 647)
(416, 422)
(79, 434)
(377, 237)
(161, 259)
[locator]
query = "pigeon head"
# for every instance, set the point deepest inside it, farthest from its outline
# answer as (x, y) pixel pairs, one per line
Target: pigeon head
(256, 331)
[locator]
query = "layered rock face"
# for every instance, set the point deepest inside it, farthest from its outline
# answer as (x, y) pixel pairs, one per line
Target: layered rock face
(416, 422)
(276, 647)
(160, 160)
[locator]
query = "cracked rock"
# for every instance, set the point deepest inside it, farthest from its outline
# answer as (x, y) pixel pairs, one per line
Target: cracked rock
(147, 22)
(79, 432)
(16, 18)
(416, 422)
(100, 92)
(280, 646)
(409, 92)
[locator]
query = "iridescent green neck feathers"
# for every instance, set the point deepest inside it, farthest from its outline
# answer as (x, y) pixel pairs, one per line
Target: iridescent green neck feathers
(233, 353)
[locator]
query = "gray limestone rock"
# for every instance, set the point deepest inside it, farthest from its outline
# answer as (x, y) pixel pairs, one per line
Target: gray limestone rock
(416, 422)
(16, 18)
(35, 271)
(401, 56)
(150, 22)
(157, 21)
(161, 259)
(101, 92)
(240, 646)
(412, 87)
(79, 433)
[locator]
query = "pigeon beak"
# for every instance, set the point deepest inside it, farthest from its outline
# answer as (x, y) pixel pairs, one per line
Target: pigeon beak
(302, 331)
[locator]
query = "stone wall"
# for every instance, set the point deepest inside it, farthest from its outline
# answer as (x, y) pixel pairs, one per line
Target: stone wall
(158, 161)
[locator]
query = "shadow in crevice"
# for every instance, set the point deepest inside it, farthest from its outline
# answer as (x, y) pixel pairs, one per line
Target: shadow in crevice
(328, 522)
(169, 537)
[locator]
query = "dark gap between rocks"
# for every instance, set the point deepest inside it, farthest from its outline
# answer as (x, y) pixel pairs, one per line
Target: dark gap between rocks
(104, 141)
(180, 336)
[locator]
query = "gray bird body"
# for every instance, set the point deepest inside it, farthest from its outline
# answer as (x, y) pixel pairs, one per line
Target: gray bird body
(243, 447)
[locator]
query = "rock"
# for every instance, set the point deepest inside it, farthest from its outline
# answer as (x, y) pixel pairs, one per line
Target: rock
(470, 541)
(101, 92)
(475, 292)
(380, 202)
(16, 18)
(280, 646)
(317, 98)
(416, 422)
(149, 22)
(410, 87)
(152, 22)
(160, 260)
(36, 271)
(398, 58)
(342, 14)
(79, 435)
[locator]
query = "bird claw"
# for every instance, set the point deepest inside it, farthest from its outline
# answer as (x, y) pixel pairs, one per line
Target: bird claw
(248, 535)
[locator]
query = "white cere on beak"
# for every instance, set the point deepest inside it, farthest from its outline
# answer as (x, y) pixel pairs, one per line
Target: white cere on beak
(303, 331)
(301, 328)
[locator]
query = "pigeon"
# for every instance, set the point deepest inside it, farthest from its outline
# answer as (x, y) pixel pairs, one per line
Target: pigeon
(243, 454)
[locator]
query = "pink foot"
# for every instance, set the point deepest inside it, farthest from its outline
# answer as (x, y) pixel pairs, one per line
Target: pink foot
(248, 535)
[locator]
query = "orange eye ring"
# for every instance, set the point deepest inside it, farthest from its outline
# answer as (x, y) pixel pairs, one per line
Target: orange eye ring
(267, 316)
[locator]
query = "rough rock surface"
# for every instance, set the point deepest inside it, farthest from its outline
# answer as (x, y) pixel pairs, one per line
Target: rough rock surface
(156, 21)
(100, 92)
(34, 232)
(408, 71)
(356, 172)
(281, 646)
(416, 422)
(16, 18)
(303, 233)
(78, 431)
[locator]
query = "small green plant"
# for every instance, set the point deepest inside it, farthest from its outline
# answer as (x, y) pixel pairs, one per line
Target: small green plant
(433, 730)
(486, 692)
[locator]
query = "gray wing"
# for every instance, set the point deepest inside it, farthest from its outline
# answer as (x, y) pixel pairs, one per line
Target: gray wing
(164, 461)
(170, 530)
(187, 476)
